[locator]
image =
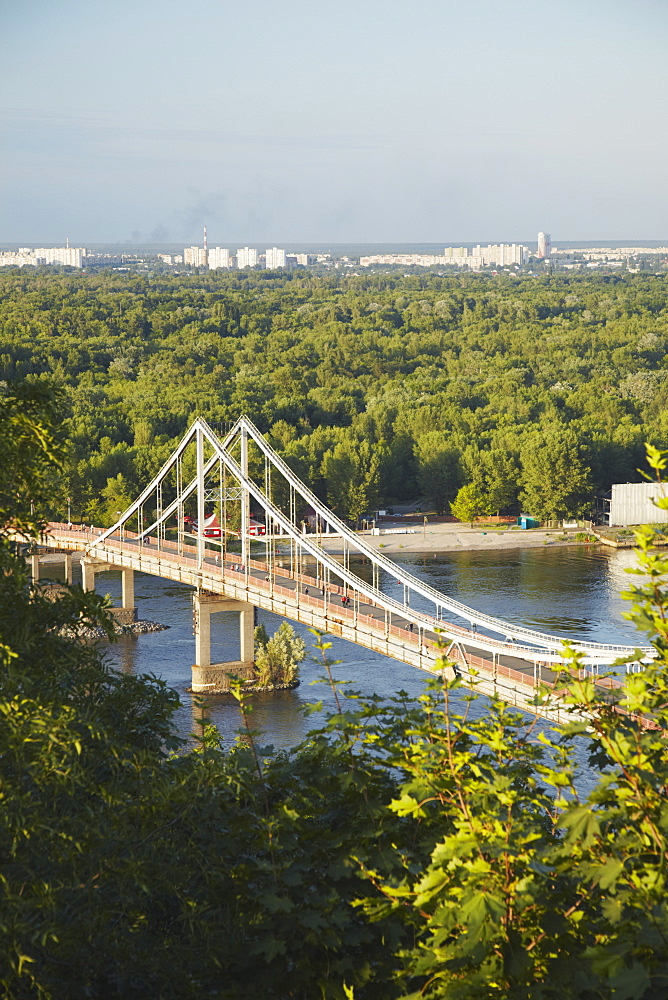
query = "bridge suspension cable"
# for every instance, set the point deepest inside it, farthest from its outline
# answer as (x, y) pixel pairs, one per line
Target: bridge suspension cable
(230, 456)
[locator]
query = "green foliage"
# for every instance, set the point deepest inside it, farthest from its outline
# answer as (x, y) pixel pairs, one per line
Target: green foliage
(31, 453)
(491, 909)
(406, 848)
(352, 470)
(496, 472)
(427, 371)
(277, 659)
(470, 502)
(438, 468)
(114, 499)
(530, 891)
(556, 482)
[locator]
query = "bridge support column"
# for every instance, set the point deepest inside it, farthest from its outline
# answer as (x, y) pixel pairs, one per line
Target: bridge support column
(214, 678)
(89, 567)
(34, 567)
(127, 613)
(128, 588)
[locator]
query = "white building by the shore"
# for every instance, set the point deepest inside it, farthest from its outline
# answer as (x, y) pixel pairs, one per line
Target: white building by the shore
(633, 503)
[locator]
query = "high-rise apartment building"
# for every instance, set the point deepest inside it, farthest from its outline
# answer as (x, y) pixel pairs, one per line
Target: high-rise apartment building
(197, 256)
(194, 257)
(247, 257)
(219, 257)
(501, 254)
(275, 258)
(24, 258)
(70, 256)
(455, 255)
(307, 259)
(494, 255)
(544, 246)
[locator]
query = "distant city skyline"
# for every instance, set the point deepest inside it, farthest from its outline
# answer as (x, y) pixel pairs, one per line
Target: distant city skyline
(467, 257)
(303, 247)
(293, 246)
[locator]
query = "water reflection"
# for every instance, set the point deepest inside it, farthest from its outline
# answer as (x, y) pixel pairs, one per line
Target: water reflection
(566, 591)
(126, 653)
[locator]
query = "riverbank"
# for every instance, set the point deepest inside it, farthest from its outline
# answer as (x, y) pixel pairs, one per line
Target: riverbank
(437, 538)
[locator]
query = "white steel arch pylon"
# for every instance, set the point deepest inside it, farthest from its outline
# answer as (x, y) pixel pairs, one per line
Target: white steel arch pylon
(528, 644)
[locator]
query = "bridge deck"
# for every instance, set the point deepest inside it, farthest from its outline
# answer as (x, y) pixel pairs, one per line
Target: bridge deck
(301, 597)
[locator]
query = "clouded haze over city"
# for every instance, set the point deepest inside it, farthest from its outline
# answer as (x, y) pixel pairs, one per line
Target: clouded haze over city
(364, 120)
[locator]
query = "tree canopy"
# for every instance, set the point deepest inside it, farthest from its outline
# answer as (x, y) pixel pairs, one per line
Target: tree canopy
(406, 848)
(431, 374)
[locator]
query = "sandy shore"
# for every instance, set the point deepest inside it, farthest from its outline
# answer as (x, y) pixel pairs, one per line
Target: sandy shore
(440, 538)
(459, 537)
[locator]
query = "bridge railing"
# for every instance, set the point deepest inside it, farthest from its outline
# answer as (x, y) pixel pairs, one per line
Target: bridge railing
(175, 552)
(521, 637)
(352, 621)
(516, 639)
(496, 625)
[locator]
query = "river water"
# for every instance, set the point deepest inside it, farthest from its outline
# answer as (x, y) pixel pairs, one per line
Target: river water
(569, 591)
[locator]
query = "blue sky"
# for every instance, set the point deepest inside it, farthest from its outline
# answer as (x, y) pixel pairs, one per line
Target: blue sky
(369, 121)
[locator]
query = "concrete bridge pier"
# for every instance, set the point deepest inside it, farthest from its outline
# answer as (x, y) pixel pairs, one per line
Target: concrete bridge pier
(214, 678)
(35, 566)
(127, 613)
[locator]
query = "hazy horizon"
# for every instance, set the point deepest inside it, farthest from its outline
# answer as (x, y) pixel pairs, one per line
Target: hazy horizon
(325, 246)
(366, 123)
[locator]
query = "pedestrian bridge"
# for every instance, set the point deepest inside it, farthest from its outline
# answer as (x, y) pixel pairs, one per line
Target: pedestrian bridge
(311, 568)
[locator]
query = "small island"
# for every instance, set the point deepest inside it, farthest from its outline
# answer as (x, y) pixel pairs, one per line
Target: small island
(277, 659)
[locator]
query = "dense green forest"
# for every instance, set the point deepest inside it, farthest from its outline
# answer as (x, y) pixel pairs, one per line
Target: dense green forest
(406, 849)
(375, 388)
